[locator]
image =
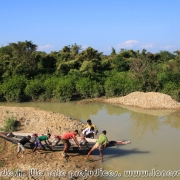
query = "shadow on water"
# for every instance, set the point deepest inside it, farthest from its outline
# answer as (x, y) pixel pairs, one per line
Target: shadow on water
(117, 152)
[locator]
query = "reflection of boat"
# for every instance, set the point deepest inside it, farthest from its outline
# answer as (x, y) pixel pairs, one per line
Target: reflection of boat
(15, 137)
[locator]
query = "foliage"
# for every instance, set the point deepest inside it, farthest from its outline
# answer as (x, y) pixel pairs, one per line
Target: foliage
(27, 74)
(119, 84)
(13, 89)
(172, 89)
(11, 124)
(34, 89)
(88, 88)
(64, 90)
(120, 64)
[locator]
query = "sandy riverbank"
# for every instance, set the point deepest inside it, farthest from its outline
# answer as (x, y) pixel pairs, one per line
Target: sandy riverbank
(36, 120)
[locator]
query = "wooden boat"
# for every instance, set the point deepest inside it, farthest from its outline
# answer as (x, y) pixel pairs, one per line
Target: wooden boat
(58, 146)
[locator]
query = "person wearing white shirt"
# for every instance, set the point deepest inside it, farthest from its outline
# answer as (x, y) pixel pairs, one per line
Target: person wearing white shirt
(86, 132)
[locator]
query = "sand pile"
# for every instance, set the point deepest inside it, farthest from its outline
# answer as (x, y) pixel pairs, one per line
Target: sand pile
(34, 120)
(150, 100)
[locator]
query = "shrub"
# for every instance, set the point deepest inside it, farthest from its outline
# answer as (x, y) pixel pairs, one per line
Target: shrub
(64, 90)
(11, 124)
(50, 85)
(120, 84)
(34, 89)
(13, 89)
(88, 88)
(172, 89)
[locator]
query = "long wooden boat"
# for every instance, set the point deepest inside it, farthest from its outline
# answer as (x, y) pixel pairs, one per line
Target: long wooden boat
(58, 146)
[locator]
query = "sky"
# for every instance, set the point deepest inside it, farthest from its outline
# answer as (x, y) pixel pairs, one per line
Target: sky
(153, 25)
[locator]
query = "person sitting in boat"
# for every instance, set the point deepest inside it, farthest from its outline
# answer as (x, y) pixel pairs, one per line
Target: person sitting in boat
(65, 139)
(100, 144)
(86, 133)
(40, 139)
(21, 144)
(89, 125)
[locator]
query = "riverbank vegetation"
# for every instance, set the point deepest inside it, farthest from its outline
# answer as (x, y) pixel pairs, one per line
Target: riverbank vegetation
(72, 73)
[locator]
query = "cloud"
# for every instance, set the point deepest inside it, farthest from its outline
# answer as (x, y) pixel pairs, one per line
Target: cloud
(128, 44)
(148, 45)
(168, 47)
(45, 47)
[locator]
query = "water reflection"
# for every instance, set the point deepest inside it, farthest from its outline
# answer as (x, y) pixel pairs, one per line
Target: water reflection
(115, 110)
(172, 121)
(159, 112)
(143, 123)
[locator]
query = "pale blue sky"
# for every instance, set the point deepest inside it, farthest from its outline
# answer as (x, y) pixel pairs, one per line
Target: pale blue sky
(101, 24)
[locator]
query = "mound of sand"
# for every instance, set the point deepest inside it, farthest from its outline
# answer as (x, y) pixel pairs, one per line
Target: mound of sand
(150, 100)
(35, 120)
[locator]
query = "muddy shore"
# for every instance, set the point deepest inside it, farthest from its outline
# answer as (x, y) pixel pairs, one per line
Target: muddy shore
(34, 120)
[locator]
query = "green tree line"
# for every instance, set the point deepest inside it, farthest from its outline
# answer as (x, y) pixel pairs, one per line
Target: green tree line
(27, 74)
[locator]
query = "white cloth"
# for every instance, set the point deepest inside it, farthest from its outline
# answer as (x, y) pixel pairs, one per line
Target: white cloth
(87, 131)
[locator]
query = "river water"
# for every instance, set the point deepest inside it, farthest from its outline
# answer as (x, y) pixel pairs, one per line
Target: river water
(155, 136)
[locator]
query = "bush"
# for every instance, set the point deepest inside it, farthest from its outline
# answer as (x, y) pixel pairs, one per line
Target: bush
(172, 89)
(120, 64)
(11, 124)
(35, 89)
(64, 90)
(50, 85)
(88, 88)
(13, 89)
(120, 84)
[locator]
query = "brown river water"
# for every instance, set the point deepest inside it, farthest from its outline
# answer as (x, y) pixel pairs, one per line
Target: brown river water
(155, 137)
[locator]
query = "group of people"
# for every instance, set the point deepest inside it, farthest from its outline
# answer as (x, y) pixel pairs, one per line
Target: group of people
(88, 131)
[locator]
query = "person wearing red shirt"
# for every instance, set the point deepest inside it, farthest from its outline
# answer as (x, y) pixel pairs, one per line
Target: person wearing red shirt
(65, 139)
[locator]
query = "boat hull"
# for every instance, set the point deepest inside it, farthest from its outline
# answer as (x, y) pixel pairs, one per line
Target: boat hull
(16, 137)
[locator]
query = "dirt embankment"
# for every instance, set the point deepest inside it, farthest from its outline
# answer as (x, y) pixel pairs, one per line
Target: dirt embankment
(50, 165)
(36, 120)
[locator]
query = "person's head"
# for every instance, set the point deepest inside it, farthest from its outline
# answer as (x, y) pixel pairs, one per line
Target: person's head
(48, 135)
(92, 128)
(104, 132)
(75, 132)
(29, 137)
(35, 135)
(89, 121)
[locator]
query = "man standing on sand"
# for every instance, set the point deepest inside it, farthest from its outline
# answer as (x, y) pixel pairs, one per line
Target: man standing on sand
(21, 144)
(100, 144)
(89, 125)
(65, 139)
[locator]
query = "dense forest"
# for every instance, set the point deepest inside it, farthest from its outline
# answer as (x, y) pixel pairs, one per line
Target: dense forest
(72, 73)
